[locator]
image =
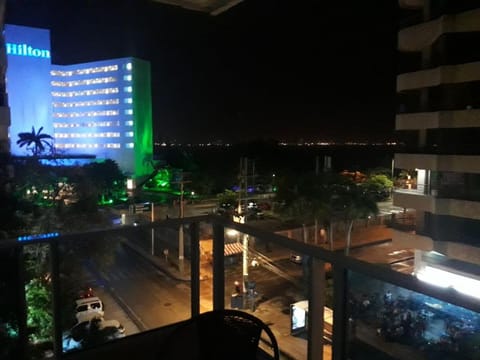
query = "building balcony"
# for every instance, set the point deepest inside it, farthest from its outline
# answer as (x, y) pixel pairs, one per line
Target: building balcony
(421, 36)
(436, 202)
(145, 284)
(452, 163)
(450, 74)
(414, 199)
(438, 120)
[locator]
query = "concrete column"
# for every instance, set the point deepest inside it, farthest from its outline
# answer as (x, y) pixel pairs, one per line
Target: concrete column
(316, 304)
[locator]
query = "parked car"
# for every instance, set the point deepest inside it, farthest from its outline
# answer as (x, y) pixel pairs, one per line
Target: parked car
(92, 332)
(265, 206)
(255, 214)
(88, 308)
(86, 293)
(295, 258)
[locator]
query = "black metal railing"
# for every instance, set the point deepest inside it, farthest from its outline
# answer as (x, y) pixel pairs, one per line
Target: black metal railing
(346, 290)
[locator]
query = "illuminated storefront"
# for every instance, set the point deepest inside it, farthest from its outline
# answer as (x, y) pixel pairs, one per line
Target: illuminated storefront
(98, 108)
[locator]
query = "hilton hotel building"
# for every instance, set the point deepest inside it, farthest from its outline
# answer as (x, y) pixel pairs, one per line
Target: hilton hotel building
(100, 108)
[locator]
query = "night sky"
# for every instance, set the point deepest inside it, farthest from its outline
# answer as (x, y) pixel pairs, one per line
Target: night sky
(266, 69)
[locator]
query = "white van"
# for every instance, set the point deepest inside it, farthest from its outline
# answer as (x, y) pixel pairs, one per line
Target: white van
(88, 308)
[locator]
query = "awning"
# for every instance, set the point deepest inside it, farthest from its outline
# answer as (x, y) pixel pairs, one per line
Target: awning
(232, 249)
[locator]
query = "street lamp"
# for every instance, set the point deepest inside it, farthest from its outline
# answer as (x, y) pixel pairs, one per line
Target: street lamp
(180, 234)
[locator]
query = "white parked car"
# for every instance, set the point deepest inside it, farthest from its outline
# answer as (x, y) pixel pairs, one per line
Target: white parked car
(295, 258)
(91, 333)
(88, 308)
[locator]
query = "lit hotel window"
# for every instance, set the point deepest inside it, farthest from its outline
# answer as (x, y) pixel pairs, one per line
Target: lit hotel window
(127, 89)
(127, 77)
(129, 145)
(129, 123)
(86, 114)
(85, 71)
(102, 80)
(60, 125)
(84, 92)
(128, 66)
(87, 103)
(86, 135)
(89, 146)
(129, 134)
(112, 146)
(128, 111)
(128, 100)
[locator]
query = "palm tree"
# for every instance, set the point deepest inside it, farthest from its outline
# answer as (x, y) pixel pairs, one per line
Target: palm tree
(36, 142)
(306, 199)
(308, 209)
(351, 202)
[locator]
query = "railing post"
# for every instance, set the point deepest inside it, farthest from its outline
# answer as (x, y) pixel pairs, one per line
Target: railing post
(22, 305)
(57, 321)
(316, 304)
(218, 267)
(339, 312)
(195, 268)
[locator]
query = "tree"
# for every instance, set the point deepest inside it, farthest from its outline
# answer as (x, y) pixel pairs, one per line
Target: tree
(378, 186)
(351, 202)
(40, 315)
(307, 210)
(107, 178)
(35, 141)
(307, 198)
(329, 198)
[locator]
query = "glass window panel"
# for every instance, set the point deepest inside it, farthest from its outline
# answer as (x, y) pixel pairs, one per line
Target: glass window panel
(392, 322)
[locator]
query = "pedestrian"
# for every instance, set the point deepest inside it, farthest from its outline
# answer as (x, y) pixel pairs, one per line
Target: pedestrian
(237, 287)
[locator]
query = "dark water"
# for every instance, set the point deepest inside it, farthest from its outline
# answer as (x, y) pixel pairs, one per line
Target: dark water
(270, 159)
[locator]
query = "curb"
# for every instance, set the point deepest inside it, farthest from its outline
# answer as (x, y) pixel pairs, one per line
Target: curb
(365, 244)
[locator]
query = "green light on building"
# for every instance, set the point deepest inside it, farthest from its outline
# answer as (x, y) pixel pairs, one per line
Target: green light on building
(142, 110)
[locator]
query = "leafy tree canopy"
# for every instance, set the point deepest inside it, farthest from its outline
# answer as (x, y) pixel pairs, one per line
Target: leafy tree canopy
(39, 304)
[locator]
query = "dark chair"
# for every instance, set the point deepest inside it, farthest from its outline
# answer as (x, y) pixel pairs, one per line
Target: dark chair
(219, 335)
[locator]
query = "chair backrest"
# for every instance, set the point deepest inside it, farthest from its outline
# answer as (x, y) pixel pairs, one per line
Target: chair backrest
(219, 335)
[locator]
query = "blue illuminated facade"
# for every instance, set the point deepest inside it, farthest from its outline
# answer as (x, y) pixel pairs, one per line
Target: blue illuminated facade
(28, 82)
(98, 108)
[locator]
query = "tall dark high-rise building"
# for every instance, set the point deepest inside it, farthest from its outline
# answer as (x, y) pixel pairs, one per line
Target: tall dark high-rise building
(438, 91)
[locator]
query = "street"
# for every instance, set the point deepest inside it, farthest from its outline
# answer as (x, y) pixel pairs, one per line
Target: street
(155, 299)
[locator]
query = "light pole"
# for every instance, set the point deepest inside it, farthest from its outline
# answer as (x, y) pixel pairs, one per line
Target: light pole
(153, 230)
(181, 245)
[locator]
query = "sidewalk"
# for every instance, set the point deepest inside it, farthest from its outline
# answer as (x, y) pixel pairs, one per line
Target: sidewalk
(292, 347)
(365, 236)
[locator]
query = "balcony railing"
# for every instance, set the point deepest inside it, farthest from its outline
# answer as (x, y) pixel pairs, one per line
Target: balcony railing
(156, 289)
